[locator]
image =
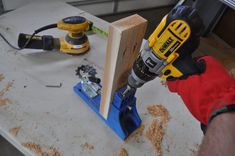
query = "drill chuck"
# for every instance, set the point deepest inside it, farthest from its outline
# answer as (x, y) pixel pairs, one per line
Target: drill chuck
(134, 81)
(146, 67)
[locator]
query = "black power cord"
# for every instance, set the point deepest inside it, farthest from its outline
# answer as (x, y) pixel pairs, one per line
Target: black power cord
(29, 40)
(12, 46)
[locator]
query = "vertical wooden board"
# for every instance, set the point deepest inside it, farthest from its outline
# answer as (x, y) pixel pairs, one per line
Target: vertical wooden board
(124, 41)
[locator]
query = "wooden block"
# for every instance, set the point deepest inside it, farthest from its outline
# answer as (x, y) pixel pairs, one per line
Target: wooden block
(124, 42)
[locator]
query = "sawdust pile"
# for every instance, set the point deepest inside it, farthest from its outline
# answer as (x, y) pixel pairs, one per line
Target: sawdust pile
(87, 146)
(2, 77)
(155, 134)
(160, 112)
(4, 101)
(136, 135)
(14, 131)
(36, 148)
(157, 110)
(123, 152)
(156, 130)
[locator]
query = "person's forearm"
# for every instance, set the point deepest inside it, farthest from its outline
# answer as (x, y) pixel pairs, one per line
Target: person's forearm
(219, 139)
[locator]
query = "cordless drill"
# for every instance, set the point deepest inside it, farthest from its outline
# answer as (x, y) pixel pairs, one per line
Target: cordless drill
(168, 51)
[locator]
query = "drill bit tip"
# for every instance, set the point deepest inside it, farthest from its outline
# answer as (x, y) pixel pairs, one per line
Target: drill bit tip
(128, 89)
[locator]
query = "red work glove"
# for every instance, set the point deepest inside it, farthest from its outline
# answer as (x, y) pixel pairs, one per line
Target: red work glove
(208, 94)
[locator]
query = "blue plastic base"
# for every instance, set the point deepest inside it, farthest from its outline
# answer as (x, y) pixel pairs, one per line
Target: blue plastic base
(122, 118)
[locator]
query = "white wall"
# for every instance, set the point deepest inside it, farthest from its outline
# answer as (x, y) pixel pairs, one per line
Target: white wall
(14, 4)
(99, 8)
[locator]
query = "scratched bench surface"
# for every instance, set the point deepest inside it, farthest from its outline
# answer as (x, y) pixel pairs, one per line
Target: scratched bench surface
(36, 118)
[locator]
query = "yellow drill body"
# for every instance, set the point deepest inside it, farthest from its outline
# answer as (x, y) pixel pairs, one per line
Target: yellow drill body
(165, 46)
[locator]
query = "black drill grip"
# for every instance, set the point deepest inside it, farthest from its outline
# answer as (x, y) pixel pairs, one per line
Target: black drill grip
(188, 66)
(45, 42)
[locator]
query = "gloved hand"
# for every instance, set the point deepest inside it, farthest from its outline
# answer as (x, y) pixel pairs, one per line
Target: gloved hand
(207, 94)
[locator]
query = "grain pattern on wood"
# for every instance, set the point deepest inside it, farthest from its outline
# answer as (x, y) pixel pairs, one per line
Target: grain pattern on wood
(124, 41)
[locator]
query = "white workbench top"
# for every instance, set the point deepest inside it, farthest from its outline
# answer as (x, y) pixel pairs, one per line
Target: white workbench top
(57, 116)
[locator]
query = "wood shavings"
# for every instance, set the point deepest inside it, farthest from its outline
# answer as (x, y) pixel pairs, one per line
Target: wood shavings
(37, 149)
(156, 130)
(155, 134)
(33, 147)
(159, 111)
(136, 135)
(4, 101)
(53, 152)
(87, 146)
(123, 152)
(1, 77)
(14, 131)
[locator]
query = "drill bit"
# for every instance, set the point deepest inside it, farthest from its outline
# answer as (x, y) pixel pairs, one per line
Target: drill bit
(128, 88)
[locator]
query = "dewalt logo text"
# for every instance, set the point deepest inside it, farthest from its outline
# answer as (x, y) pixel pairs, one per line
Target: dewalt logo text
(166, 44)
